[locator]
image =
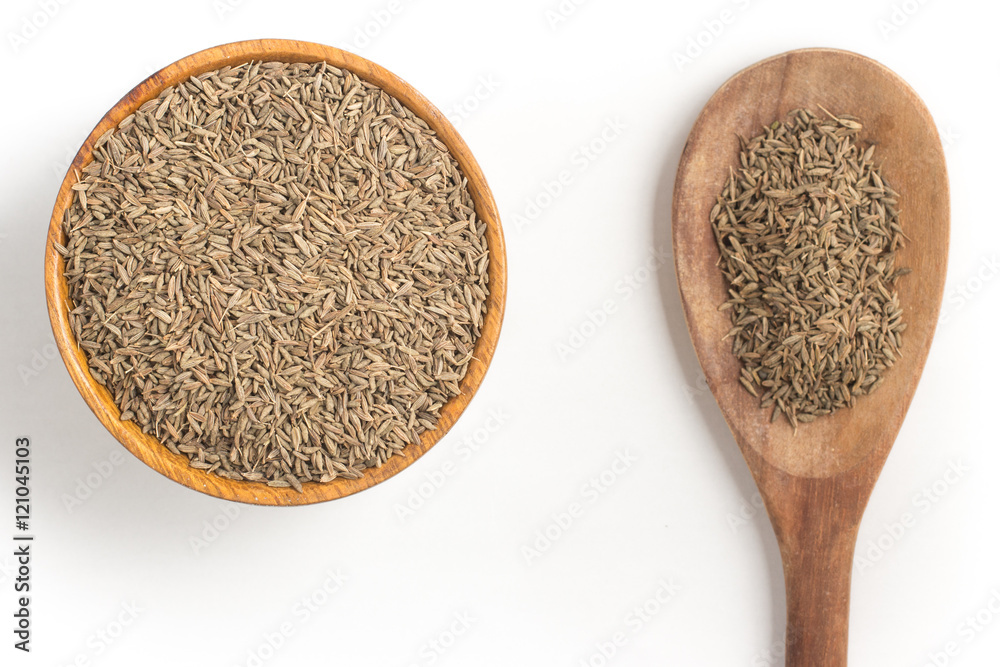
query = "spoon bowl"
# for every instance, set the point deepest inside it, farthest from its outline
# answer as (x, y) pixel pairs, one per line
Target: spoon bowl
(815, 481)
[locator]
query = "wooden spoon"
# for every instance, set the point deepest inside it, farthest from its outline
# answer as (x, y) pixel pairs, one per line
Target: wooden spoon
(146, 447)
(815, 483)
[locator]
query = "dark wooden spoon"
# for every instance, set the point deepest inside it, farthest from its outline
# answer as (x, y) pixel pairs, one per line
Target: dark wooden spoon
(816, 482)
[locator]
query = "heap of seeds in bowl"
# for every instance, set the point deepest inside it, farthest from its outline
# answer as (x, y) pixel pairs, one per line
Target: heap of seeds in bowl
(808, 231)
(276, 270)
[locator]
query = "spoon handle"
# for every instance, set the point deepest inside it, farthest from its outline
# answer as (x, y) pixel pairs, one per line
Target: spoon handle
(817, 527)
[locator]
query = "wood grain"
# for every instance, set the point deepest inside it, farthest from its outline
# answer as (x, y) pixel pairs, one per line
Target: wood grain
(147, 448)
(815, 483)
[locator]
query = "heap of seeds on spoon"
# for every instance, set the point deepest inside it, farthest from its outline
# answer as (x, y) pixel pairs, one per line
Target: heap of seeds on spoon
(276, 270)
(808, 231)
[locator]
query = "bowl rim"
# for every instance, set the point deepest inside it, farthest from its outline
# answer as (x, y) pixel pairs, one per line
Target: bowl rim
(147, 448)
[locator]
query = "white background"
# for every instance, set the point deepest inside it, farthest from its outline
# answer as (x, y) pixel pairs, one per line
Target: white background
(134, 556)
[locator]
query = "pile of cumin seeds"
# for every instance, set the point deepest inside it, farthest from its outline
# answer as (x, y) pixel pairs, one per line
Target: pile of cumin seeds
(808, 232)
(277, 270)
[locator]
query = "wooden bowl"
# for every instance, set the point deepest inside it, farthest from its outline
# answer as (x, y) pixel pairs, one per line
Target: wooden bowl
(148, 448)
